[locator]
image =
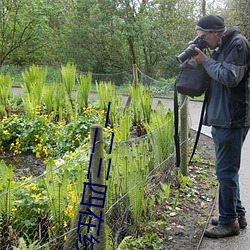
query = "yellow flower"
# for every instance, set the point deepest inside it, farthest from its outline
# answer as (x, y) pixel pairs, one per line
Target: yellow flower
(103, 112)
(14, 209)
(6, 132)
(69, 211)
(16, 152)
(31, 187)
(38, 155)
(73, 199)
(37, 196)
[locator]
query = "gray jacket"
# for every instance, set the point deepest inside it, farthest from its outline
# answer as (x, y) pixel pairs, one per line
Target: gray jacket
(228, 103)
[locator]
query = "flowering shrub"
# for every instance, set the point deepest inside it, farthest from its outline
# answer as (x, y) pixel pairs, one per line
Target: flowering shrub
(43, 137)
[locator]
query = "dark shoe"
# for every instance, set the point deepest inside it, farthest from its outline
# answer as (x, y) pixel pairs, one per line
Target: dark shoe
(221, 231)
(241, 219)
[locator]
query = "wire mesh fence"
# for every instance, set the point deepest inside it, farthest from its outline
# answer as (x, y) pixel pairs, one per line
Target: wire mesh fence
(158, 87)
(43, 212)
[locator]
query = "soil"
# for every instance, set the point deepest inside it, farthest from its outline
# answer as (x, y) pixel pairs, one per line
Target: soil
(188, 221)
(24, 164)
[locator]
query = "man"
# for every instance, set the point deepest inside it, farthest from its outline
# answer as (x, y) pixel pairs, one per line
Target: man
(228, 112)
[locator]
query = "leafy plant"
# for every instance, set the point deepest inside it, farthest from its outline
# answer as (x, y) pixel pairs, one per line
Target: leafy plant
(122, 125)
(128, 177)
(147, 241)
(68, 74)
(161, 132)
(43, 137)
(83, 90)
(29, 245)
(107, 94)
(141, 103)
(5, 90)
(34, 81)
(164, 191)
(30, 208)
(184, 181)
(176, 199)
(56, 187)
(6, 184)
(48, 98)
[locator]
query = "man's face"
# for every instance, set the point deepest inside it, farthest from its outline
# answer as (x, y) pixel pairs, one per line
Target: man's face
(211, 38)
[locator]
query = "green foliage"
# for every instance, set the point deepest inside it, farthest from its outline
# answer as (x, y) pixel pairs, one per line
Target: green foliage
(6, 184)
(30, 206)
(56, 187)
(68, 74)
(161, 128)
(147, 241)
(122, 125)
(164, 191)
(110, 36)
(83, 90)
(107, 93)
(141, 103)
(34, 81)
(129, 172)
(23, 25)
(22, 245)
(48, 98)
(176, 199)
(51, 197)
(43, 137)
(5, 90)
(184, 181)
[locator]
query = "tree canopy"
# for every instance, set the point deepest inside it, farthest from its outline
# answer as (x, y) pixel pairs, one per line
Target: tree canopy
(107, 36)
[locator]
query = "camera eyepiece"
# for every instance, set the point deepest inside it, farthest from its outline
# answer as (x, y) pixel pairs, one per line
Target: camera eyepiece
(190, 51)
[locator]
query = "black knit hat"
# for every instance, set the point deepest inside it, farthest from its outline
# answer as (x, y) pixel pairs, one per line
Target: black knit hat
(211, 23)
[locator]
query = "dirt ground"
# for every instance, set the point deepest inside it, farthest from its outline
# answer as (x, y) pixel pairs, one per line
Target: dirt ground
(187, 223)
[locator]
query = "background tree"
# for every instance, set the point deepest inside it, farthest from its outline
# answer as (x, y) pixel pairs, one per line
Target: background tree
(94, 38)
(102, 36)
(237, 13)
(109, 36)
(21, 25)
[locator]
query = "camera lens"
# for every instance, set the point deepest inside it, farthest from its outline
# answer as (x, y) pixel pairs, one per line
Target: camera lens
(187, 53)
(190, 51)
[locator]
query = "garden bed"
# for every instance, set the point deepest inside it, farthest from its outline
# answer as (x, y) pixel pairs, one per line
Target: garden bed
(178, 221)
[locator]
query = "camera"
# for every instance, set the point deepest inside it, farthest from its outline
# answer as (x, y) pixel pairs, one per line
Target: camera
(190, 51)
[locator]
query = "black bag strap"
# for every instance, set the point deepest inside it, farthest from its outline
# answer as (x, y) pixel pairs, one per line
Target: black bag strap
(199, 127)
(176, 125)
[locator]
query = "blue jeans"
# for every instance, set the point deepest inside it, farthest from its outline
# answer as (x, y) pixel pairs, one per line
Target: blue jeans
(228, 145)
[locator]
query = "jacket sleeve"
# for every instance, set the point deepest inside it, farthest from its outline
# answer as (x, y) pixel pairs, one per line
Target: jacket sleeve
(232, 69)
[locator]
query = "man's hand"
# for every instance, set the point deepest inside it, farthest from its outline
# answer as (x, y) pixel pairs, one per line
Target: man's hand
(200, 58)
